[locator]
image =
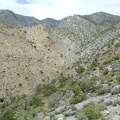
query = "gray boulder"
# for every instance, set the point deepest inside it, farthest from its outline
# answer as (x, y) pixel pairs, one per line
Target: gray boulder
(115, 101)
(39, 116)
(115, 90)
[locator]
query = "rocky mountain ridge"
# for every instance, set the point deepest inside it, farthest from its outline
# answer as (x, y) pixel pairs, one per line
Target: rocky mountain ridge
(60, 70)
(102, 18)
(15, 20)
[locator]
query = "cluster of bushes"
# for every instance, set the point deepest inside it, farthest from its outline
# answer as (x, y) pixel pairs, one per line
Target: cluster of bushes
(117, 45)
(116, 57)
(84, 86)
(78, 68)
(36, 102)
(95, 63)
(92, 111)
(78, 98)
(118, 79)
(110, 60)
(8, 115)
(81, 88)
(105, 72)
(107, 61)
(100, 90)
(46, 89)
(62, 81)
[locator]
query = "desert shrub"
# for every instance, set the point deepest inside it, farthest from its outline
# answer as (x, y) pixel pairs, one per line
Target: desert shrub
(46, 89)
(8, 115)
(46, 110)
(28, 116)
(92, 111)
(79, 94)
(62, 80)
(107, 61)
(81, 88)
(78, 98)
(79, 69)
(100, 68)
(61, 55)
(75, 64)
(101, 90)
(25, 31)
(116, 57)
(110, 79)
(41, 72)
(95, 62)
(81, 116)
(118, 79)
(37, 102)
(76, 89)
(87, 85)
(20, 84)
(117, 45)
(1, 100)
(105, 72)
(56, 104)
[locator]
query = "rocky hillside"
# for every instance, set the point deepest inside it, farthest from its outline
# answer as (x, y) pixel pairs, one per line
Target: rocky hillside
(67, 69)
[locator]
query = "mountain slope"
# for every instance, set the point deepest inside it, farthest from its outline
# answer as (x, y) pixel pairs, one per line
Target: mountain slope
(29, 54)
(14, 20)
(62, 68)
(102, 18)
(50, 22)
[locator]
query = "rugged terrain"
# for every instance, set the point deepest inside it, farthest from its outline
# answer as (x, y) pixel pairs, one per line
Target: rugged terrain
(57, 70)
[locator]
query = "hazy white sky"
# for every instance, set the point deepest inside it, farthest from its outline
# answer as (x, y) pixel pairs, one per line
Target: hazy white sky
(59, 9)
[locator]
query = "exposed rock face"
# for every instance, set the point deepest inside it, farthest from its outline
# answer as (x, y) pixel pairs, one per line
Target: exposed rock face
(71, 62)
(116, 90)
